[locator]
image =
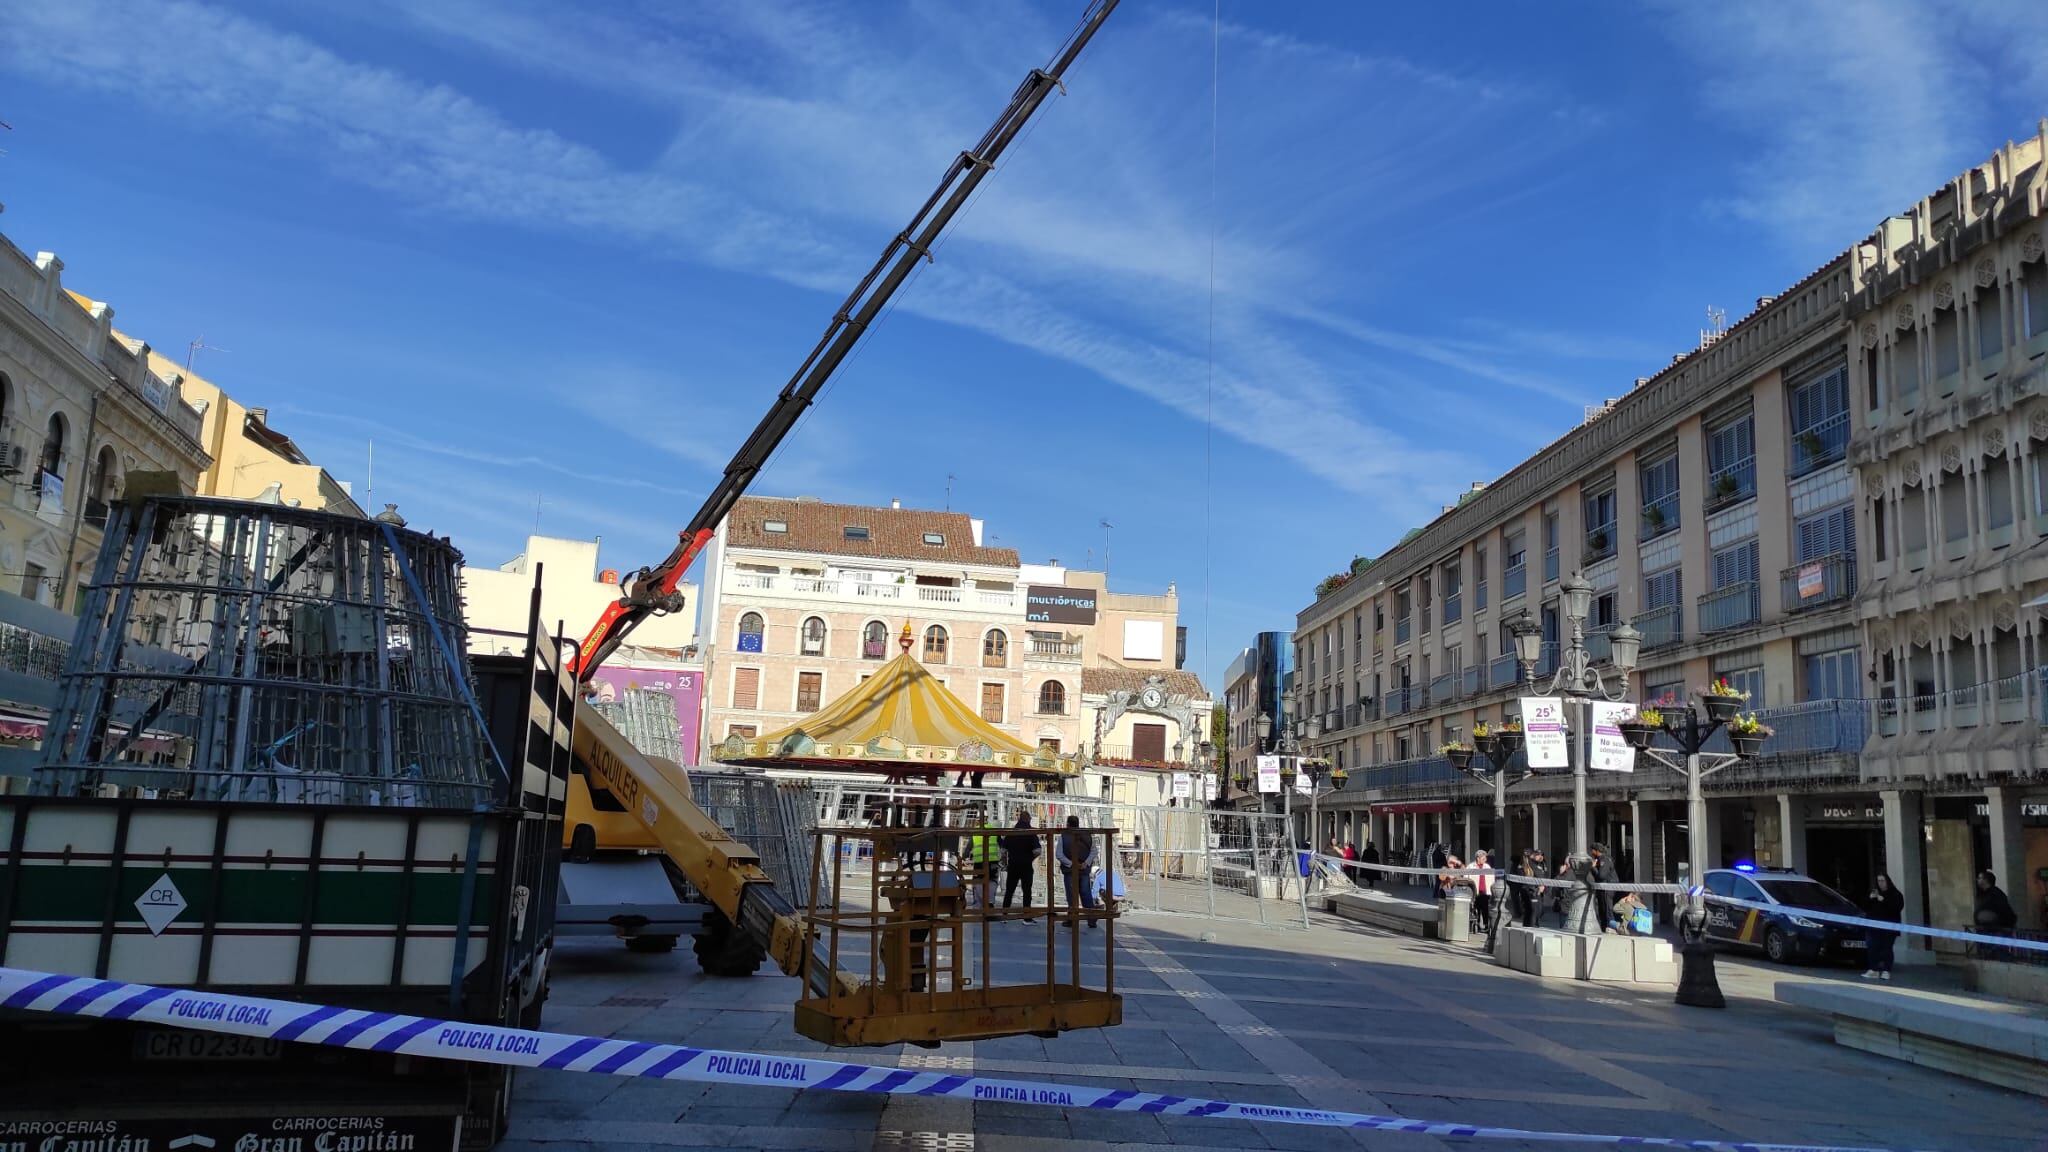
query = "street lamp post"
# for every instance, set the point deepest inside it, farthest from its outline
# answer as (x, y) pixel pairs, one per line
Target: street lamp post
(1698, 985)
(1578, 681)
(1499, 749)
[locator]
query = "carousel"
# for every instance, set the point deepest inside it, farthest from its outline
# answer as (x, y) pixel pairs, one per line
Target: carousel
(900, 723)
(905, 893)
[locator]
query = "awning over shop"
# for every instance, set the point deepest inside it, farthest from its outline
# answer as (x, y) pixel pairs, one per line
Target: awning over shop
(899, 721)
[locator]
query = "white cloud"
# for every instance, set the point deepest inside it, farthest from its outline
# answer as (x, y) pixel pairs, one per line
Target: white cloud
(1093, 247)
(1859, 109)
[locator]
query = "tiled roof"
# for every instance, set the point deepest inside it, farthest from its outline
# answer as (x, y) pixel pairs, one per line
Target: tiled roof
(892, 533)
(1112, 676)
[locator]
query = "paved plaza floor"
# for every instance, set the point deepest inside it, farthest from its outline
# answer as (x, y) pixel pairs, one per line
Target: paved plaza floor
(1339, 1016)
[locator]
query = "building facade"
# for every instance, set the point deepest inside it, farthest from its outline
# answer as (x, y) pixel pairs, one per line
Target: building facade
(1948, 342)
(1255, 685)
(81, 408)
(1832, 505)
(805, 598)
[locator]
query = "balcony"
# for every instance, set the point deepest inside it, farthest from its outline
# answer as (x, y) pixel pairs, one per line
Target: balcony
(1401, 630)
(1599, 543)
(1503, 672)
(2001, 701)
(1442, 690)
(1454, 608)
(1600, 643)
(1658, 517)
(1125, 754)
(1732, 485)
(1661, 627)
(1471, 681)
(816, 588)
(1513, 582)
(1817, 583)
(1735, 606)
(1055, 651)
(1821, 445)
(1550, 566)
(1400, 701)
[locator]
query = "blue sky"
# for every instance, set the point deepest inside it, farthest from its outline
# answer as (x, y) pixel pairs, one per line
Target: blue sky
(537, 252)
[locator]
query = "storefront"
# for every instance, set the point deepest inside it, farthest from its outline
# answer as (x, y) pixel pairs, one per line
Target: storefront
(1845, 842)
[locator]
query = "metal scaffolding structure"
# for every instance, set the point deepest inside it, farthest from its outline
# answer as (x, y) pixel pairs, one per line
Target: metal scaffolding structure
(647, 719)
(230, 650)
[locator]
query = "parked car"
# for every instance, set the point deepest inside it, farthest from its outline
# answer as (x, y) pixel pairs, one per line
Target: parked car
(1782, 932)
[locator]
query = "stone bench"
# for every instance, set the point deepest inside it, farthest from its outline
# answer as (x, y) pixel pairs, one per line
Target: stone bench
(2003, 1046)
(1391, 912)
(1607, 958)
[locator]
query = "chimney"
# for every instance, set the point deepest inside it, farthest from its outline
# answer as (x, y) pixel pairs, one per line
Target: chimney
(896, 504)
(1763, 302)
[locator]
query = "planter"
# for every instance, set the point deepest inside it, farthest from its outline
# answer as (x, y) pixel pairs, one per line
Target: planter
(1721, 709)
(1748, 746)
(1488, 746)
(1460, 758)
(1637, 734)
(1510, 743)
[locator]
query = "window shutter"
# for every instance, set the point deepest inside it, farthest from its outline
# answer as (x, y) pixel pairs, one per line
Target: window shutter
(746, 688)
(1661, 590)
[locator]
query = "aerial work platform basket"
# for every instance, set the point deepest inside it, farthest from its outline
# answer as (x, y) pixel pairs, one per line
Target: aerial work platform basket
(916, 910)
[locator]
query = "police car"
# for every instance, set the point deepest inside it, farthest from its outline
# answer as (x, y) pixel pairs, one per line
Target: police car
(1784, 935)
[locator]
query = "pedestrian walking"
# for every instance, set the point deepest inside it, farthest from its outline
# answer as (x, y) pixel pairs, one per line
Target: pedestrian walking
(1020, 852)
(1350, 854)
(1994, 912)
(1888, 904)
(1076, 856)
(1604, 873)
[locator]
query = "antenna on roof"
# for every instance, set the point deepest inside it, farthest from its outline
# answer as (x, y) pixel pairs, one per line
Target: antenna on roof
(1717, 323)
(193, 348)
(949, 491)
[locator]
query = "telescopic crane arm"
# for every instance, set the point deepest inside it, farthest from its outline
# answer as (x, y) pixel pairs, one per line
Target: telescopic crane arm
(652, 591)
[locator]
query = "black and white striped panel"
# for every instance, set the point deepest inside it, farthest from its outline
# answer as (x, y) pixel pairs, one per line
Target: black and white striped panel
(551, 715)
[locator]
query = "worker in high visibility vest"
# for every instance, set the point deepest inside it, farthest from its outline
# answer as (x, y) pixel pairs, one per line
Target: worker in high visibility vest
(984, 851)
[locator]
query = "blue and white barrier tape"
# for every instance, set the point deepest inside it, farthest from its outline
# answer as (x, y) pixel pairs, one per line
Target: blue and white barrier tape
(1885, 925)
(452, 1040)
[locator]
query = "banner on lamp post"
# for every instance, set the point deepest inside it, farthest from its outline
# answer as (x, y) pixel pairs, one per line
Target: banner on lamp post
(1269, 775)
(1611, 752)
(1303, 782)
(1183, 786)
(1543, 732)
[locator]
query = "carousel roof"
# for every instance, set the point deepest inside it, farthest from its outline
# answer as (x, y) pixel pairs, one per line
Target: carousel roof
(899, 719)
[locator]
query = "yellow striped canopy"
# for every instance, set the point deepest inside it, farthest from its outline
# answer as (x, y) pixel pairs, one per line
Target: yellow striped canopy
(898, 720)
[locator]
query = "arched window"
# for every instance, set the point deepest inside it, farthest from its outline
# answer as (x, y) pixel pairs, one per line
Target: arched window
(995, 649)
(52, 460)
(935, 645)
(1052, 698)
(813, 643)
(100, 492)
(874, 641)
(751, 629)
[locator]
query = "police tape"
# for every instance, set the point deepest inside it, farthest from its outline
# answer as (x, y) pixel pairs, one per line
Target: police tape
(395, 1034)
(2013, 942)
(1338, 862)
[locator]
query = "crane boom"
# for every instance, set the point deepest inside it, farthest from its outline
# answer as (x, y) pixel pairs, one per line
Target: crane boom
(652, 591)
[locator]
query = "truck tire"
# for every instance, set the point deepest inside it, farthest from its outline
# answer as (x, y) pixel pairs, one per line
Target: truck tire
(654, 944)
(723, 951)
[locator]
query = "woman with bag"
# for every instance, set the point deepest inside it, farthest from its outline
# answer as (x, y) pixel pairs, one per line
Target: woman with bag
(1885, 903)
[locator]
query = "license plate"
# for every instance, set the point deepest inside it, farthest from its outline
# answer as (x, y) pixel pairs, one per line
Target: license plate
(175, 1045)
(1852, 943)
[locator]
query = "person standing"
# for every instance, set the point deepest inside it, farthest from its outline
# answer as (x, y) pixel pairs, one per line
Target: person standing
(1482, 890)
(1885, 903)
(1020, 852)
(1350, 854)
(1371, 857)
(1076, 857)
(1530, 896)
(1604, 873)
(985, 853)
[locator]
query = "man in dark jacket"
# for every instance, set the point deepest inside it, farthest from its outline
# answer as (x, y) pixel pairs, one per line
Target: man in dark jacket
(1994, 912)
(1604, 873)
(1077, 857)
(1020, 850)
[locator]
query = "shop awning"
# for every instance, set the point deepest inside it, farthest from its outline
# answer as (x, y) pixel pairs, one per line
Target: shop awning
(899, 721)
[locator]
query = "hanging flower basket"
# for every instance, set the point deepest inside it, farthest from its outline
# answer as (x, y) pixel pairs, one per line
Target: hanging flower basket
(1511, 741)
(1488, 745)
(1459, 755)
(1746, 734)
(1637, 733)
(1723, 701)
